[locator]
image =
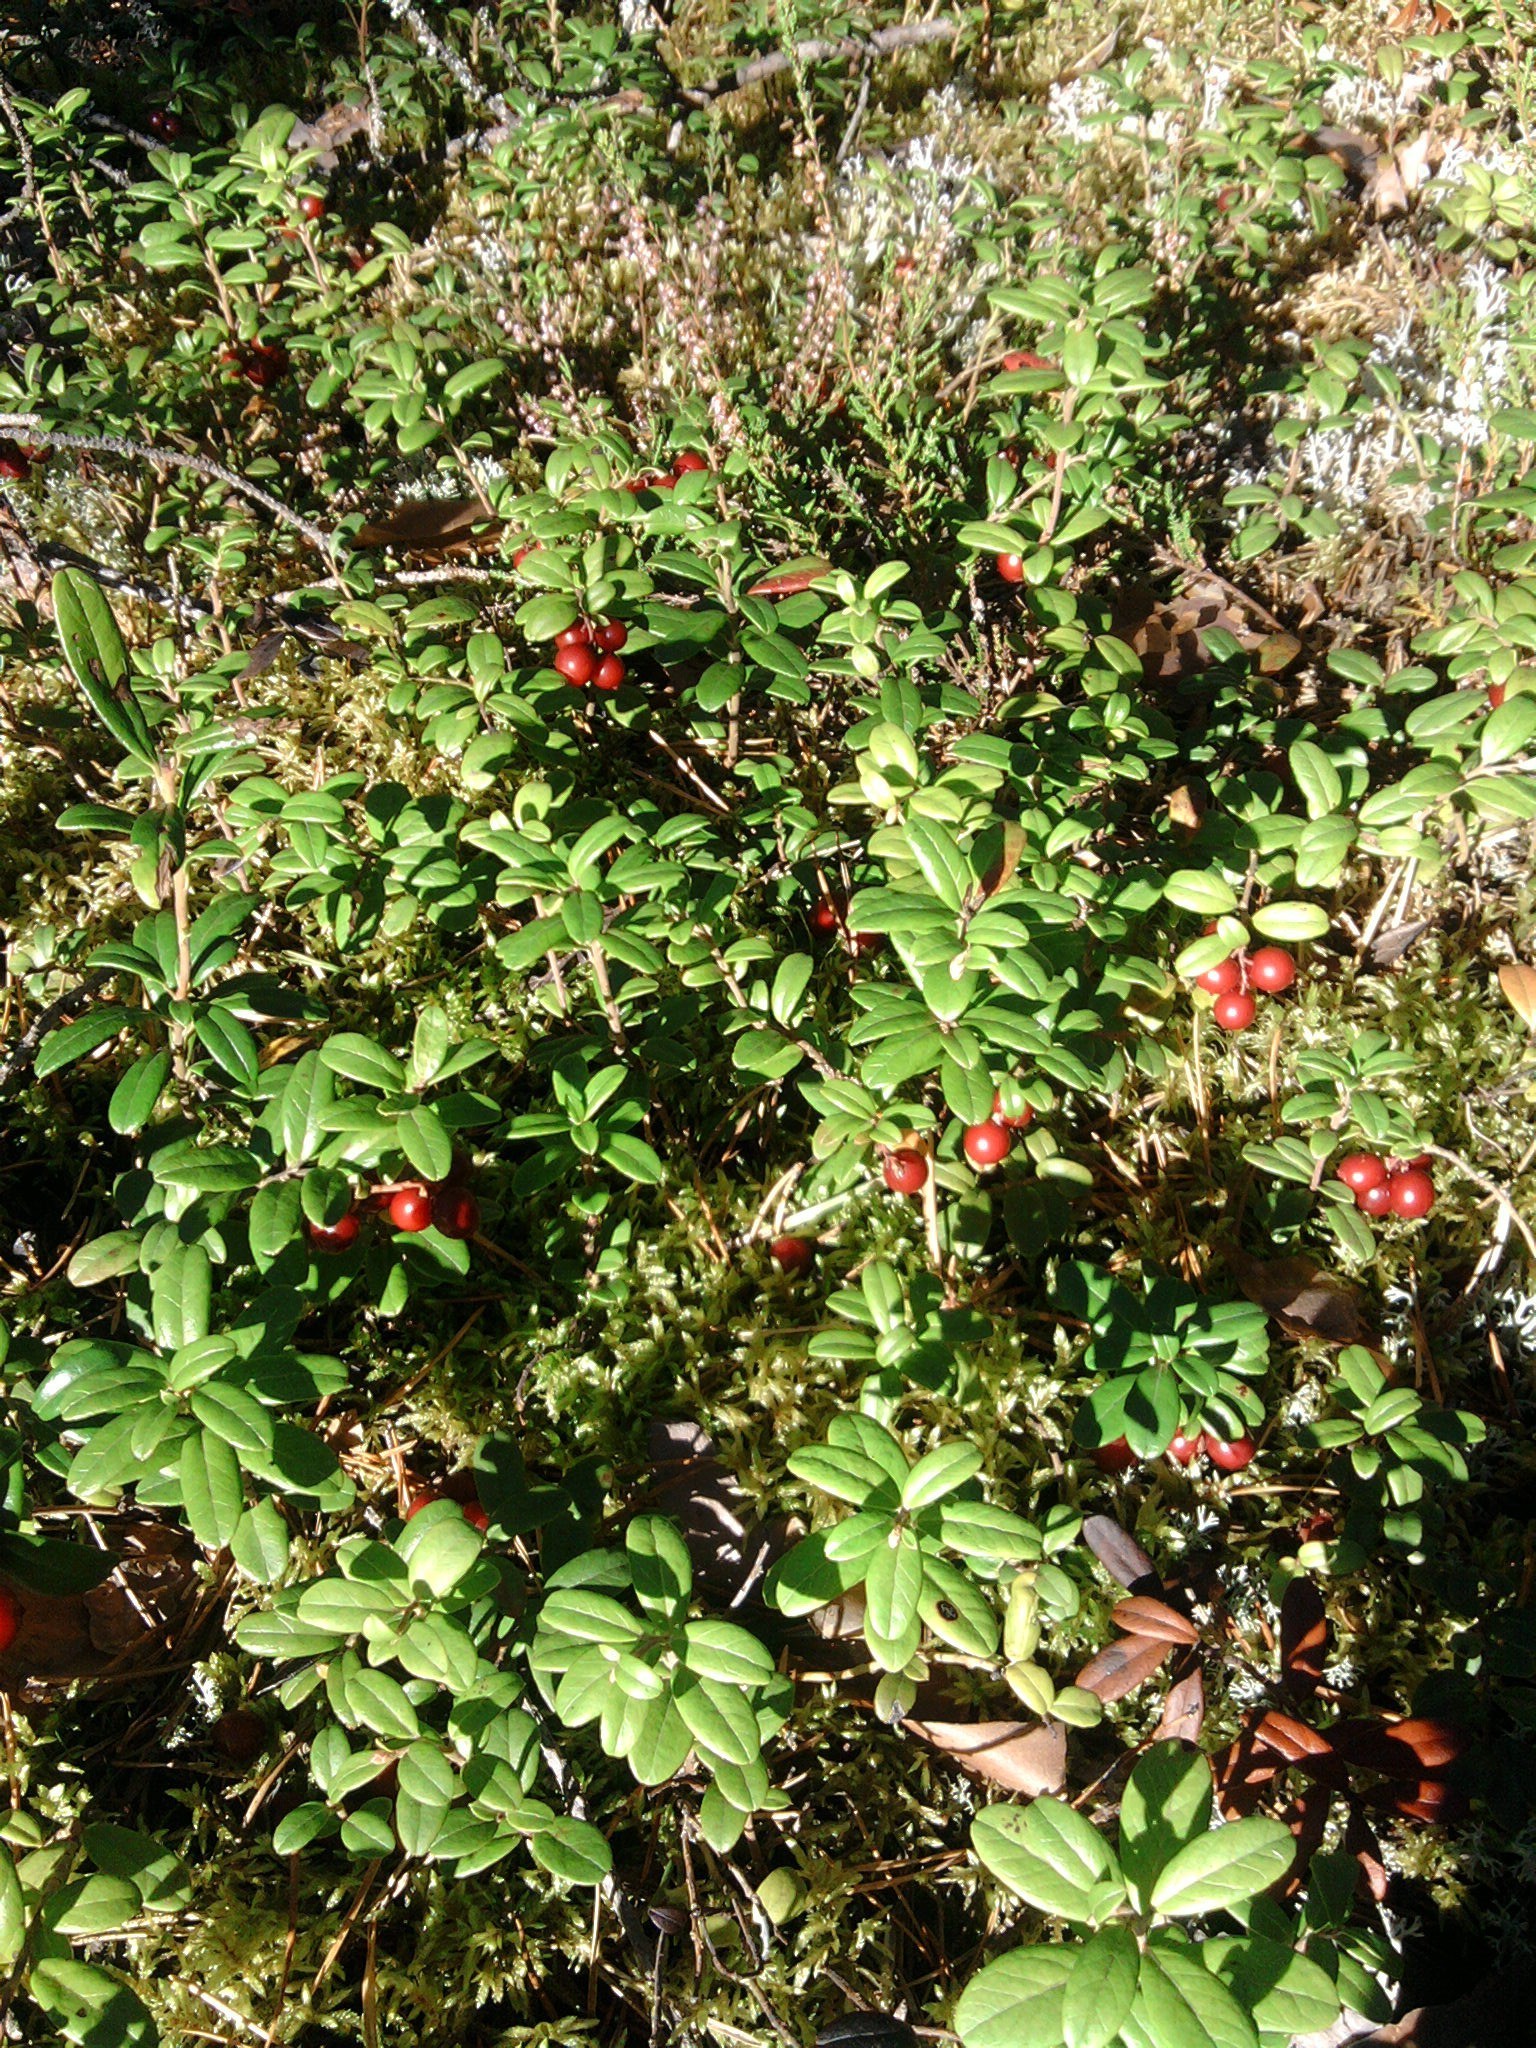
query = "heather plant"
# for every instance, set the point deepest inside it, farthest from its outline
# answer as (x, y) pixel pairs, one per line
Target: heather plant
(765, 1053)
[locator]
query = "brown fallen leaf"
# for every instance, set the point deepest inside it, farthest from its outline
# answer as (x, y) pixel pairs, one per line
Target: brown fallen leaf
(1121, 1555)
(792, 578)
(1172, 634)
(1276, 652)
(1154, 1620)
(430, 523)
(330, 131)
(1003, 846)
(1518, 983)
(1303, 1639)
(1021, 1756)
(1303, 1299)
(1120, 1667)
(1188, 803)
(1183, 1714)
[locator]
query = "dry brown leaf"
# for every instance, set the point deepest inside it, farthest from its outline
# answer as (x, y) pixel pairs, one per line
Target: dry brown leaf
(1303, 1299)
(792, 578)
(1276, 652)
(1120, 1667)
(1183, 1713)
(1519, 985)
(335, 127)
(1001, 864)
(1188, 804)
(1155, 1620)
(1121, 1555)
(1303, 1639)
(430, 523)
(1021, 1756)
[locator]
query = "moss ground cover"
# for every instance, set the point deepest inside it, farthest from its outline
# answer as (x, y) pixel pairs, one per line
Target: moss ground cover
(766, 1051)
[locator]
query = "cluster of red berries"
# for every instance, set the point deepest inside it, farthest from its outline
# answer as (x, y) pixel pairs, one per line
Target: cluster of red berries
(446, 1204)
(830, 914)
(473, 1513)
(683, 465)
(986, 1144)
(588, 653)
(164, 124)
(1388, 1187)
(1229, 1454)
(1271, 969)
(262, 363)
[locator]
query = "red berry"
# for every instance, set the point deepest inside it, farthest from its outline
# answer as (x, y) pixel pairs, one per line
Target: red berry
(520, 554)
(312, 206)
(827, 914)
(609, 673)
(1496, 695)
(866, 942)
(987, 1144)
(338, 1236)
(477, 1516)
(455, 1211)
(577, 664)
(165, 125)
(1185, 1449)
(906, 1172)
(424, 1499)
(14, 466)
(611, 635)
(1024, 359)
(687, 462)
(1271, 969)
(579, 635)
(1234, 1012)
(1362, 1170)
(1412, 1193)
(1222, 980)
(410, 1209)
(793, 1254)
(1021, 1122)
(264, 364)
(1115, 1457)
(1011, 568)
(1377, 1200)
(1231, 1455)
(10, 1617)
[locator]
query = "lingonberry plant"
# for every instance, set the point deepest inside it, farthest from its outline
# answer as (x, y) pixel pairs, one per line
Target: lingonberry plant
(767, 786)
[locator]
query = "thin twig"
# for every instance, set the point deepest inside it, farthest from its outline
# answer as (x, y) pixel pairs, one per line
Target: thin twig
(171, 458)
(885, 42)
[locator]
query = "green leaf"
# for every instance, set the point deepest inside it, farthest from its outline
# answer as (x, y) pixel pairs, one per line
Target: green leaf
(1101, 1989)
(357, 1058)
(228, 1043)
(939, 1473)
(1285, 1992)
(1290, 923)
(91, 1905)
(1052, 1857)
(845, 1473)
(1224, 1867)
(893, 1586)
(259, 1543)
(382, 1704)
(572, 1850)
(632, 1157)
(212, 1489)
(659, 1565)
(161, 1879)
(90, 2008)
(1166, 1805)
(721, 1650)
(74, 1041)
(308, 1093)
(424, 1793)
(94, 649)
(134, 1098)
(1316, 778)
(718, 1718)
(233, 1414)
(1180, 2003)
(425, 1143)
(1198, 889)
(1018, 2000)
(13, 1911)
